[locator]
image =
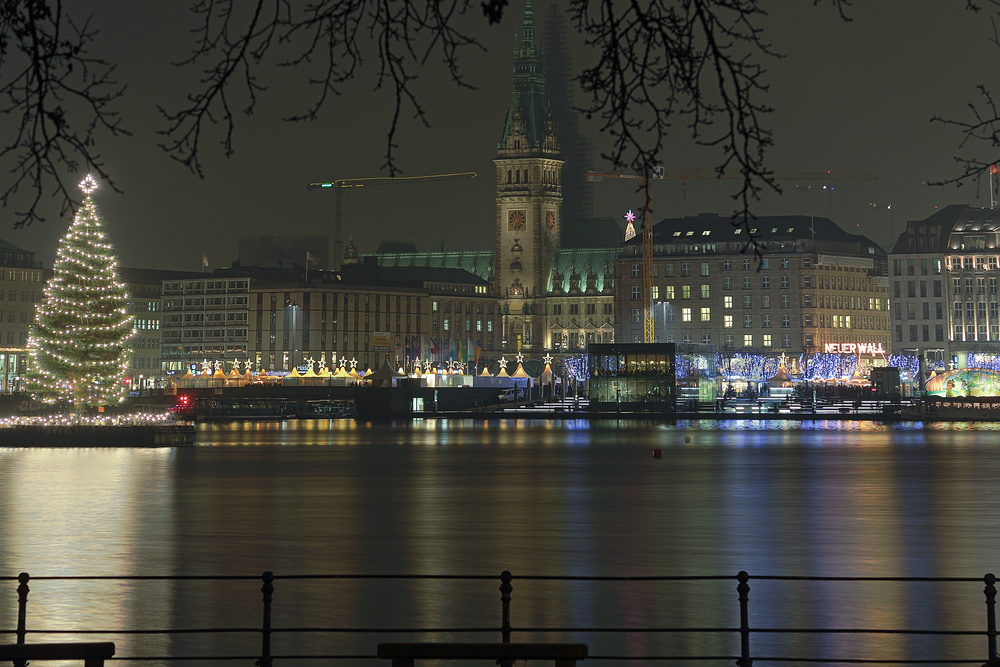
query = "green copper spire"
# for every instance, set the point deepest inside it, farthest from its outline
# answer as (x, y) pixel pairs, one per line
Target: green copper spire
(526, 127)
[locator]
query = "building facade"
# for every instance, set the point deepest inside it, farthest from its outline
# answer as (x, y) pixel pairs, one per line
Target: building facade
(943, 275)
(22, 283)
(815, 289)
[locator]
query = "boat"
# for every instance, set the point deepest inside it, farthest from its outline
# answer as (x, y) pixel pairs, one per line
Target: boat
(223, 409)
(944, 408)
(325, 409)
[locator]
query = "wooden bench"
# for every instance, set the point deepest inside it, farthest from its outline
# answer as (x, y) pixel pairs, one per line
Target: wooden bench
(403, 655)
(93, 654)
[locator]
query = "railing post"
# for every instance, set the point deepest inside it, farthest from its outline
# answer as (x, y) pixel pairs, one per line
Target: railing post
(505, 590)
(265, 631)
(991, 615)
(743, 588)
(22, 612)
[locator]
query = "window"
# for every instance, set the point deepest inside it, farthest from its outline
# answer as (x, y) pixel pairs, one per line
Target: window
(970, 309)
(654, 293)
(897, 267)
(765, 301)
(981, 309)
(729, 340)
(668, 292)
(727, 282)
(746, 264)
(913, 333)
(706, 314)
(727, 302)
(747, 301)
(685, 291)
(807, 281)
(685, 269)
(956, 285)
(937, 288)
(706, 339)
(786, 340)
(923, 269)
(786, 321)
(765, 282)
(727, 322)
(981, 285)
(767, 340)
(636, 272)
(685, 314)
(705, 291)
(727, 264)
(704, 268)
(636, 292)
(968, 285)
(766, 320)
(926, 308)
(746, 282)
(958, 310)
(993, 285)
(911, 269)
(938, 332)
(747, 340)
(911, 311)
(784, 282)
(784, 301)
(807, 300)
(783, 263)
(993, 310)
(765, 263)
(668, 270)
(747, 321)
(635, 316)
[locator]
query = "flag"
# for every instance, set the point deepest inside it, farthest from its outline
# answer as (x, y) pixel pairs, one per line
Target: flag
(434, 347)
(204, 259)
(309, 258)
(479, 348)
(994, 170)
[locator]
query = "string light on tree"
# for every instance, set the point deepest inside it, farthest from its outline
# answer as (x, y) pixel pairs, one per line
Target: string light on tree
(79, 341)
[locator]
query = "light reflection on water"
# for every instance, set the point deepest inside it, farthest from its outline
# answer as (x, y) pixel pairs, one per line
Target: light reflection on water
(827, 498)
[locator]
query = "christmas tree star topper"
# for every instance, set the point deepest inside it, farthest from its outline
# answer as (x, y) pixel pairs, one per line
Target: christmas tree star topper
(88, 185)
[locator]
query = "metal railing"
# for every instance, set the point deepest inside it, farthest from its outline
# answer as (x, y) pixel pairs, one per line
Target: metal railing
(745, 631)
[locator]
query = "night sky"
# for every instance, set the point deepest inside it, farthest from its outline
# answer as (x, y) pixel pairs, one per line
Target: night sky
(850, 97)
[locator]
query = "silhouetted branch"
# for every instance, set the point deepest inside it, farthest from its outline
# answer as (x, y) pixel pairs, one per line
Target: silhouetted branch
(406, 33)
(60, 99)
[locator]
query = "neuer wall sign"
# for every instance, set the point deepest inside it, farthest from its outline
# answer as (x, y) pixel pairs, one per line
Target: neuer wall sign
(854, 348)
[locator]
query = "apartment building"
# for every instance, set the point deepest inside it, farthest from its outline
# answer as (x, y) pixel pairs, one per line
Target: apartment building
(943, 273)
(814, 289)
(22, 283)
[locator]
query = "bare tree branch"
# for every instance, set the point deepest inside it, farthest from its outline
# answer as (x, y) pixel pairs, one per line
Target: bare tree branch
(406, 34)
(48, 83)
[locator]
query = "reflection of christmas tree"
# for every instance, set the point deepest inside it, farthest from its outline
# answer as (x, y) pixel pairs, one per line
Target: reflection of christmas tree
(79, 340)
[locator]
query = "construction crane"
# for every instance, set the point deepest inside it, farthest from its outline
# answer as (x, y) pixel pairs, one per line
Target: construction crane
(685, 174)
(339, 185)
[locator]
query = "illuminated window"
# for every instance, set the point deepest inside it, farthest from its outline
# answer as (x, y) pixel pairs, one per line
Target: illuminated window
(767, 340)
(706, 314)
(748, 340)
(727, 302)
(727, 322)
(685, 314)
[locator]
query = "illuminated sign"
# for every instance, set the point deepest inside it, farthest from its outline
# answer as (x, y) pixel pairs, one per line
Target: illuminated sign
(854, 348)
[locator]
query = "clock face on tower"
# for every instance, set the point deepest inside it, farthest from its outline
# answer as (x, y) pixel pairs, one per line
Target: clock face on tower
(515, 221)
(550, 220)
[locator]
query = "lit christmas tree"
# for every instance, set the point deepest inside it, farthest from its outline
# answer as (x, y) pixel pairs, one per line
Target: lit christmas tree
(79, 342)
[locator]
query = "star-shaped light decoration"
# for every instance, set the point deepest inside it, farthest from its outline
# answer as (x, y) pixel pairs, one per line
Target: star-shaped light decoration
(520, 358)
(354, 363)
(503, 361)
(547, 359)
(427, 365)
(630, 216)
(88, 185)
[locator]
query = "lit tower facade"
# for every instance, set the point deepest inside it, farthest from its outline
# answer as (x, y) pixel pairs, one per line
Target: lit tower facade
(529, 198)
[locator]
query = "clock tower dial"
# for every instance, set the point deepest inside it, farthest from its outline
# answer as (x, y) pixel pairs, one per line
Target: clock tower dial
(515, 220)
(550, 220)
